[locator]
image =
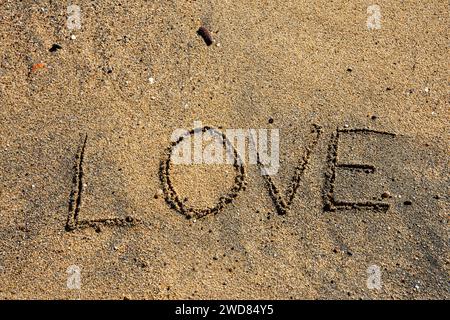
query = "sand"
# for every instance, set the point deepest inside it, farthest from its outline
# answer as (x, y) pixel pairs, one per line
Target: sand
(85, 130)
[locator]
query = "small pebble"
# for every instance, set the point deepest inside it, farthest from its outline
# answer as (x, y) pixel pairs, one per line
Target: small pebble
(151, 80)
(386, 194)
(73, 37)
(55, 47)
(107, 69)
(158, 193)
(206, 35)
(37, 66)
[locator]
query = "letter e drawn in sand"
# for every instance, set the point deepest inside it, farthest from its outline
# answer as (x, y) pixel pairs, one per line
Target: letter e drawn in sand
(329, 200)
(75, 199)
(174, 200)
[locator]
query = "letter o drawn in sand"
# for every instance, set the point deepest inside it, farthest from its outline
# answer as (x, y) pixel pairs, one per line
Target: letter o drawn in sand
(176, 202)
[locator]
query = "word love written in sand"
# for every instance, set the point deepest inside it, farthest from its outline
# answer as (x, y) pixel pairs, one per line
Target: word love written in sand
(282, 202)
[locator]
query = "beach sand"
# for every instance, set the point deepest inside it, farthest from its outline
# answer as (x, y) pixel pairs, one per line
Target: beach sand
(85, 130)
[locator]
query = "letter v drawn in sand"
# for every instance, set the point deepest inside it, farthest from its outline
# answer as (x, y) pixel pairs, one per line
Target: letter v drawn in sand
(283, 205)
